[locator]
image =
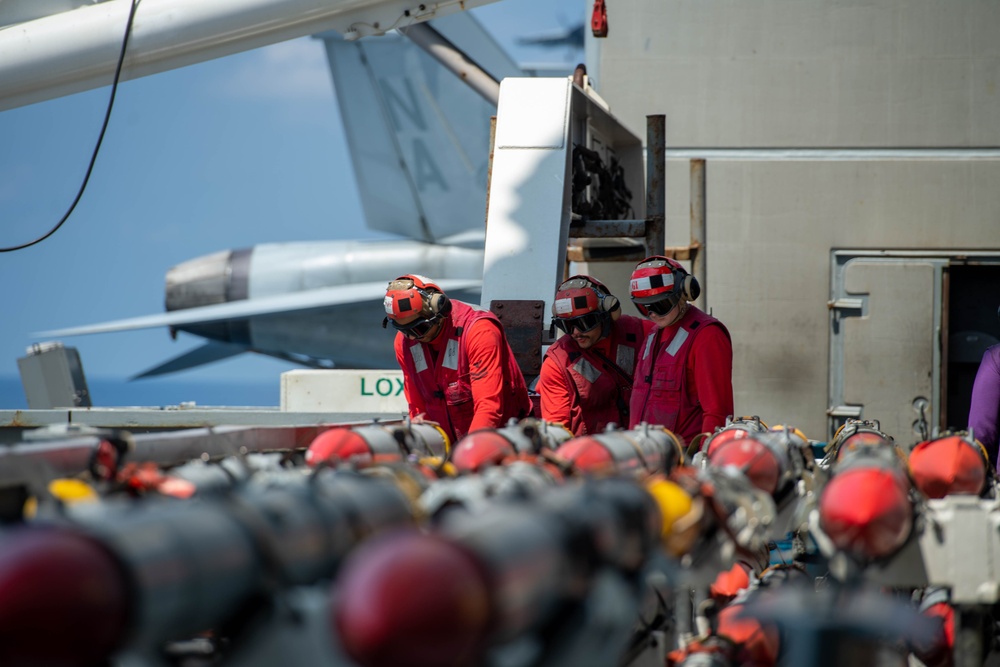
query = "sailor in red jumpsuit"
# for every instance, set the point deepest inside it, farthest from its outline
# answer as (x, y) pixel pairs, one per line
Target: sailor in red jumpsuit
(586, 377)
(458, 369)
(684, 377)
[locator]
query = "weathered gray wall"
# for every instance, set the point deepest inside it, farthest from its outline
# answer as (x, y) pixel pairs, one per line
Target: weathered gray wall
(807, 73)
(817, 75)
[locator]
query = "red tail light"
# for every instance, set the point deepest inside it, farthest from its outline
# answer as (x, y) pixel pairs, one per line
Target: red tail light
(64, 600)
(479, 450)
(599, 19)
(411, 599)
(866, 511)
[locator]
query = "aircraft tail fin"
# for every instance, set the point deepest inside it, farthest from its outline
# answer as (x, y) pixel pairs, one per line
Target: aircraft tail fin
(418, 136)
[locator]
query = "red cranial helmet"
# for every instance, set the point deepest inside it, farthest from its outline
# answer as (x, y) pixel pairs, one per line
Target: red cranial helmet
(661, 281)
(583, 302)
(414, 295)
(415, 306)
(581, 295)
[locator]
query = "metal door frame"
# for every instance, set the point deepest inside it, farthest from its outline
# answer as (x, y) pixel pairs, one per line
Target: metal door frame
(842, 305)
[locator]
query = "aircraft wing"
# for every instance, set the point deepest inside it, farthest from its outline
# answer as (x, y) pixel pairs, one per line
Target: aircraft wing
(214, 351)
(325, 297)
(58, 47)
(205, 354)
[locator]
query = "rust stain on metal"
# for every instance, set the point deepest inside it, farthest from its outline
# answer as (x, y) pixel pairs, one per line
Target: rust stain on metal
(682, 252)
(18, 420)
(522, 323)
(655, 183)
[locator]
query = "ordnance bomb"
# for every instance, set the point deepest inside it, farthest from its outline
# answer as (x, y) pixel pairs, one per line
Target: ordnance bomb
(377, 443)
(490, 447)
(954, 463)
(865, 508)
(489, 578)
(644, 450)
(139, 574)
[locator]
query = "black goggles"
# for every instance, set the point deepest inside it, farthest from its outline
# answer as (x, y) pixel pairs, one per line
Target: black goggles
(661, 307)
(583, 324)
(417, 329)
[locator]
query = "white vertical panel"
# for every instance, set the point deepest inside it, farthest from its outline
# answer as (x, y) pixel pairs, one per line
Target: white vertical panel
(528, 218)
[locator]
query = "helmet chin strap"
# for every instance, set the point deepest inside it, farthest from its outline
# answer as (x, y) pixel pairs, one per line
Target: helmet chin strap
(606, 322)
(435, 329)
(682, 308)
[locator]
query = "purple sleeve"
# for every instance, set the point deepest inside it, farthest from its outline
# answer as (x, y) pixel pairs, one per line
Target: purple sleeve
(985, 408)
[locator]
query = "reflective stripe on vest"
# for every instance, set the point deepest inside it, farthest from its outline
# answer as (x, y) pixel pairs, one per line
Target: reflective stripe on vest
(419, 360)
(587, 370)
(678, 340)
(451, 355)
(625, 358)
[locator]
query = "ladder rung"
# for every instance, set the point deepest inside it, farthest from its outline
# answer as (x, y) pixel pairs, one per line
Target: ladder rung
(625, 253)
(608, 229)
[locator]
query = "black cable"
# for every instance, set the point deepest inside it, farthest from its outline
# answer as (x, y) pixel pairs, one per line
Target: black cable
(100, 139)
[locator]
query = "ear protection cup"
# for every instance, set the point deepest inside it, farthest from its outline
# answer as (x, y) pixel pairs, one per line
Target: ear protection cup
(609, 307)
(436, 303)
(609, 303)
(690, 289)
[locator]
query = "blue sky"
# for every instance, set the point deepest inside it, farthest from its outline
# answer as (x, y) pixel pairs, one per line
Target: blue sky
(224, 154)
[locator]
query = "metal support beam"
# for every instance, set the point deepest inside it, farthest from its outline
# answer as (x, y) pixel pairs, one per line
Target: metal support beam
(655, 183)
(624, 252)
(699, 230)
(449, 55)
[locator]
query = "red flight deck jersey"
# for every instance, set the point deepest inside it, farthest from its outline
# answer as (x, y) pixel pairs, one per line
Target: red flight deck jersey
(684, 378)
(465, 379)
(585, 390)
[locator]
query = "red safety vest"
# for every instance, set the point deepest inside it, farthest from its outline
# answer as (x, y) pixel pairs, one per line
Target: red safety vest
(660, 393)
(444, 384)
(603, 383)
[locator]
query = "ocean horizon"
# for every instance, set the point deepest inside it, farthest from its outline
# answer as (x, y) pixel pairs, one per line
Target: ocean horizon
(115, 392)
